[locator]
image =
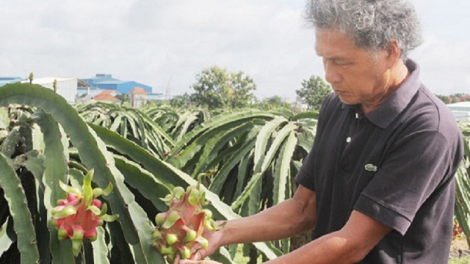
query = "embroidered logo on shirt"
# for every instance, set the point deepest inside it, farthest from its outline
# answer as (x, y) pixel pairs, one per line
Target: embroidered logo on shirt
(370, 167)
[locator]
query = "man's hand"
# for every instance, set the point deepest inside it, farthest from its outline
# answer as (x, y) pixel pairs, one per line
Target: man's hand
(214, 239)
(187, 261)
(198, 254)
(197, 258)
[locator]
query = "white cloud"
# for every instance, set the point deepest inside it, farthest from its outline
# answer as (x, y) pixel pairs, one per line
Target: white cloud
(154, 42)
(445, 65)
(261, 39)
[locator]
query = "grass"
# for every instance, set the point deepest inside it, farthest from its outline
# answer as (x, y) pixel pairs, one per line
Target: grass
(459, 243)
(464, 260)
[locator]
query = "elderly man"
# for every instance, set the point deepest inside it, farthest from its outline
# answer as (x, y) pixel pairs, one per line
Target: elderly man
(377, 186)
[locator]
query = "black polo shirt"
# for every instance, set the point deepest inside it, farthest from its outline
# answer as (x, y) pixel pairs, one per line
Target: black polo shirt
(395, 164)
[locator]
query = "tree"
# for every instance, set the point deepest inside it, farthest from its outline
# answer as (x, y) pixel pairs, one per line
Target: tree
(31, 77)
(313, 92)
(454, 98)
(273, 102)
(123, 97)
(54, 86)
(179, 101)
(217, 88)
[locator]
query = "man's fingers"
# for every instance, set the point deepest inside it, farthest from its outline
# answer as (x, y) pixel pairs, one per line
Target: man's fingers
(186, 261)
(177, 259)
(197, 253)
(196, 256)
(195, 248)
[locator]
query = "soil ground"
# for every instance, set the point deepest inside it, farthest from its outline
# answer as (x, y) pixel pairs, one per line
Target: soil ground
(459, 249)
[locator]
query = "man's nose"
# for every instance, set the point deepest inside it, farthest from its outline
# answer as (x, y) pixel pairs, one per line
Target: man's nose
(331, 75)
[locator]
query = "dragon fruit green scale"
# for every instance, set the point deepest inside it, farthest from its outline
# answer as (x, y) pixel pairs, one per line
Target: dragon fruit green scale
(80, 213)
(181, 227)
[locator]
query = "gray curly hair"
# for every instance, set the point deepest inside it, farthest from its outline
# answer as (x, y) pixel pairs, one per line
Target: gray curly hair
(371, 23)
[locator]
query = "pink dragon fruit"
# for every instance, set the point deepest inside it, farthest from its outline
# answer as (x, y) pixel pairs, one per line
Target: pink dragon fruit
(78, 216)
(181, 227)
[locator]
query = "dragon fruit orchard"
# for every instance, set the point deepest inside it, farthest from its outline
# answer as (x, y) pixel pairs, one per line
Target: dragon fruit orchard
(182, 226)
(78, 216)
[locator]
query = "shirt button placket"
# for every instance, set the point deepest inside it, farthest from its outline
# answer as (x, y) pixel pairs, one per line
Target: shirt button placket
(348, 139)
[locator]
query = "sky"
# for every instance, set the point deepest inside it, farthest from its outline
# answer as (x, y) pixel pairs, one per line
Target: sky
(165, 44)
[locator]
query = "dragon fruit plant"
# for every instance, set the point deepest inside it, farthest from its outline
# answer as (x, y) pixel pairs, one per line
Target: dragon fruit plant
(43, 137)
(181, 227)
(78, 216)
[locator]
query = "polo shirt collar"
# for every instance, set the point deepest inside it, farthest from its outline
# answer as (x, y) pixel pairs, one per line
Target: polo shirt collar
(385, 113)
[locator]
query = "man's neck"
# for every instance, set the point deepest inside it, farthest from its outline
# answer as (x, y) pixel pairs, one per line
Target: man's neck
(398, 75)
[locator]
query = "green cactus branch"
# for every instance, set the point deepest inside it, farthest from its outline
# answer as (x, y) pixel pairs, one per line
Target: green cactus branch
(175, 177)
(55, 170)
(23, 225)
(93, 154)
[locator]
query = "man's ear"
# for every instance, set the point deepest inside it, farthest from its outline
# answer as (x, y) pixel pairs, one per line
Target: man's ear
(393, 51)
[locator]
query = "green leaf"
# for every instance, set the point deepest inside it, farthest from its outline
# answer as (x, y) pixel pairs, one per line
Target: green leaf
(6, 239)
(282, 171)
(304, 115)
(183, 123)
(264, 136)
(229, 164)
(138, 154)
(35, 164)
(246, 192)
(214, 145)
(56, 169)
(266, 162)
(462, 205)
(278, 140)
(9, 143)
(121, 251)
(167, 173)
(4, 118)
(143, 181)
(222, 255)
(55, 162)
(209, 129)
(243, 172)
(255, 198)
(16, 199)
(93, 154)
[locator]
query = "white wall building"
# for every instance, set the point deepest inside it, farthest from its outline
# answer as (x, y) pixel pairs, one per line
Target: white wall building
(461, 110)
(66, 87)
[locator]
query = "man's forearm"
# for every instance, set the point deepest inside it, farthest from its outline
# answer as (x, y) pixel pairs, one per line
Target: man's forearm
(330, 249)
(283, 220)
(348, 245)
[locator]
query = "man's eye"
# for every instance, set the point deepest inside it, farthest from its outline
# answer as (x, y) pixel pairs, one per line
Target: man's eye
(337, 62)
(342, 63)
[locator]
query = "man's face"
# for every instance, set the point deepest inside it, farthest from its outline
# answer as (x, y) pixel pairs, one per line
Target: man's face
(355, 76)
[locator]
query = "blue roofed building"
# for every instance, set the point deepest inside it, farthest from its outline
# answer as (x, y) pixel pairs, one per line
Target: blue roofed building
(107, 82)
(6, 80)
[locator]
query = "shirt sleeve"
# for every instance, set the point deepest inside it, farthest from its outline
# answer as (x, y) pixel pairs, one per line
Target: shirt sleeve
(417, 165)
(305, 175)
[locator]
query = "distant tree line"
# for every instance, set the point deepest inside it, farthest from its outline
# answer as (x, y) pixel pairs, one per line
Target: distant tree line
(454, 98)
(217, 88)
